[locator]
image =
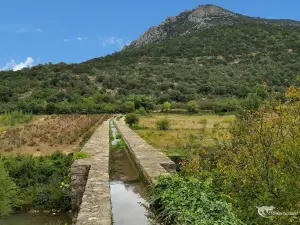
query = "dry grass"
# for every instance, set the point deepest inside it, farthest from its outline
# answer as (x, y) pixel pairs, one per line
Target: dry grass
(186, 121)
(48, 134)
(187, 131)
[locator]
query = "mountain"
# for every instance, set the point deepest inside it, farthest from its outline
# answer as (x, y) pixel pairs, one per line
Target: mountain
(209, 54)
(203, 17)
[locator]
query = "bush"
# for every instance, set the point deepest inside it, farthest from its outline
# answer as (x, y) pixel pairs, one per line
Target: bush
(166, 107)
(192, 106)
(163, 124)
(7, 192)
(141, 111)
(190, 201)
(38, 181)
(131, 119)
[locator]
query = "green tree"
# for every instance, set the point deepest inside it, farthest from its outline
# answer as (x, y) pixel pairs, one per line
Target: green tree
(131, 119)
(7, 192)
(141, 110)
(166, 106)
(259, 158)
(192, 106)
(128, 107)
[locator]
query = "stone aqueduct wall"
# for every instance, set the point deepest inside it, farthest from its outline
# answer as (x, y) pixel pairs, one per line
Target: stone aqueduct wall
(91, 203)
(150, 162)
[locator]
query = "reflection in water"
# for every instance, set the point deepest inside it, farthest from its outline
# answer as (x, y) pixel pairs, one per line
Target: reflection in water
(126, 205)
(35, 219)
(128, 193)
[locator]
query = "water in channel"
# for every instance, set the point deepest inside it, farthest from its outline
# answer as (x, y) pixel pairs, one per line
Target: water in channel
(128, 193)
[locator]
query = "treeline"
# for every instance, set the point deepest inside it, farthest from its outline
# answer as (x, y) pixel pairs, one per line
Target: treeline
(216, 64)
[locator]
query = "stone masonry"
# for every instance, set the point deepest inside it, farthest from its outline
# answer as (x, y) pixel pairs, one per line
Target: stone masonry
(149, 161)
(91, 203)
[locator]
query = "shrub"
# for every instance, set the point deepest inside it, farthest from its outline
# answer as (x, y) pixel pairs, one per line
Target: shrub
(141, 111)
(163, 124)
(192, 106)
(190, 201)
(131, 119)
(38, 181)
(7, 191)
(166, 106)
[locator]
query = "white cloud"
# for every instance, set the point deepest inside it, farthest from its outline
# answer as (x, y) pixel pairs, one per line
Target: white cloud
(81, 38)
(112, 41)
(76, 39)
(12, 65)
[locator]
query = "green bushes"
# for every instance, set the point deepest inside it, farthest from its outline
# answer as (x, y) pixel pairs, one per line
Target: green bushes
(166, 107)
(42, 182)
(7, 192)
(14, 118)
(189, 201)
(131, 119)
(192, 106)
(163, 124)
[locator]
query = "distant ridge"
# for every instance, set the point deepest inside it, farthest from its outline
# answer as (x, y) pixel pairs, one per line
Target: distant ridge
(195, 20)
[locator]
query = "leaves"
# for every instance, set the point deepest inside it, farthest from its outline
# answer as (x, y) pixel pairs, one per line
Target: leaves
(190, 201)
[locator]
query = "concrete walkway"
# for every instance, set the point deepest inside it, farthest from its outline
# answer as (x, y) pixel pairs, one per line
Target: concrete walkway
(149, 161)
(91, 203)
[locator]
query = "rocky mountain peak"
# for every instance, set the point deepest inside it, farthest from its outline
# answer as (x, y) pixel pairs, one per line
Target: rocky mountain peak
(195, 20)
(203, 11)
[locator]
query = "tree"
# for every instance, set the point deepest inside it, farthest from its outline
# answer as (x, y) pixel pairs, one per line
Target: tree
(256, 160)
(128, 107)
(141, 110)
(131, 119)
(7, 192)
(166, 106)
(259, 158)
(192, 106)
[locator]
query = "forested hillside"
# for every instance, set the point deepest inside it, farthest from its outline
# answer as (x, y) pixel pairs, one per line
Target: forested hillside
(219, 64)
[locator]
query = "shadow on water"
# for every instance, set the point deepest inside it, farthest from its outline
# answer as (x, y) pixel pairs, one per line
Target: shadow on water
(128, 193)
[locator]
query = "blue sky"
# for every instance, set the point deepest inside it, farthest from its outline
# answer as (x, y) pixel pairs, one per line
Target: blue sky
(40, 31)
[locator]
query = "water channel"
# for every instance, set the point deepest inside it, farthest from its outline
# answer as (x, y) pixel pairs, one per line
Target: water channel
(128, 192)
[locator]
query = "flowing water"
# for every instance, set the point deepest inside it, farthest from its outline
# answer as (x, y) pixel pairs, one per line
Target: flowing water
(128, 193)
(36, 219)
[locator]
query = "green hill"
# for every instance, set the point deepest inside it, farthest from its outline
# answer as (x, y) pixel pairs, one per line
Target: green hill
(215, 64)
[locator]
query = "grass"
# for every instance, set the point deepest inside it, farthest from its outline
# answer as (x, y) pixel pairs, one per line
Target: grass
(3, 128)
(14, 118)
(48, 134)
(187, 132)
